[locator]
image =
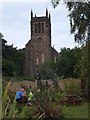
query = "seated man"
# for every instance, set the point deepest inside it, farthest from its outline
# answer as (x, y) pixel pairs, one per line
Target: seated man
(20, 94)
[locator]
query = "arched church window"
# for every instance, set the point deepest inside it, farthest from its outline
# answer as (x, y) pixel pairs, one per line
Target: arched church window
(37, 58)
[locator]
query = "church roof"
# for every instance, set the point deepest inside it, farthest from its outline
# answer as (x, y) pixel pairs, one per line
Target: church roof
(54, 50)
(28, 42)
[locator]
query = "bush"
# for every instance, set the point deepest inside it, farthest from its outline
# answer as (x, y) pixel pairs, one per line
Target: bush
(72, 87)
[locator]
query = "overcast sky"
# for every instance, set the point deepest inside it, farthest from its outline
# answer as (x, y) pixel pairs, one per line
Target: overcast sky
(16, 23)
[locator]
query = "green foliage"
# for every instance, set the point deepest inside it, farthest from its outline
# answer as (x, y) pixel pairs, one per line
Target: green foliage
(8, 108)
(66, 63)
(84, 61)
(46, 106)
(31, 78)
(7, 67)
(79, 19)
(70, 63)
(72, 87)
(40, 109)
(48, 70)
(79, 14)
(83, 67)
(55, 3)
(12, 59)
(58, 95)
(29, 112)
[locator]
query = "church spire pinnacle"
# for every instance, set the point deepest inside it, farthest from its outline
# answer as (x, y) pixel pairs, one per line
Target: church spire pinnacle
(46, 12)
(49, 17)
(31, 14)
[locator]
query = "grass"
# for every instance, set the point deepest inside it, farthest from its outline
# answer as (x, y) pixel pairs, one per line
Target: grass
(80, 111)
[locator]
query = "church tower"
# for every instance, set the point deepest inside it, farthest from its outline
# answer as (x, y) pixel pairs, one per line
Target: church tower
(38, 49)
(41, 27)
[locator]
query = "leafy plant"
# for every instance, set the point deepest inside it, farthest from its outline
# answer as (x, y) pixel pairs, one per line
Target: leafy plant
(72, 87)
(38, 111)
(47, 107)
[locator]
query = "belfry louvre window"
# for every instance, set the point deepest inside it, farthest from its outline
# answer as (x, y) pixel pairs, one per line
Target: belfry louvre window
(36, 28)
(39, 27)
(42, 27)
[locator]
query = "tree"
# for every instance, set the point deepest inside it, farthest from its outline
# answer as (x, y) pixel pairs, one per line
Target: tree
(48, 70)
(12, 59)
(79, 19)
(80, 26)
(67, 63)
(79, 13)
(1, 55)
(84, 68)
(55, 3)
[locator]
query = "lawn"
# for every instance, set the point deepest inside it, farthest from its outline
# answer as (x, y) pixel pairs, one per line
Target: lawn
(80, 111)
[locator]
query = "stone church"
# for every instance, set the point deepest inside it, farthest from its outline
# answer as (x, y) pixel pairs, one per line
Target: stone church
(39, 49)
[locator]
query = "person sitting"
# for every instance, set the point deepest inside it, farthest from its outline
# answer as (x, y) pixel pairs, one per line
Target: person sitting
(20, 94)
(30, 97)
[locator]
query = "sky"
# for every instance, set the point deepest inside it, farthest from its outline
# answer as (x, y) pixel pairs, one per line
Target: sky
(15, 24)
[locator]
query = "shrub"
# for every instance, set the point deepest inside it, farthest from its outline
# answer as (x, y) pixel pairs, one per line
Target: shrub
(72, 87)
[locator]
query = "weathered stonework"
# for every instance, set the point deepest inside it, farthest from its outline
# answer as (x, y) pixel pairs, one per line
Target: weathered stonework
(38, 49)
